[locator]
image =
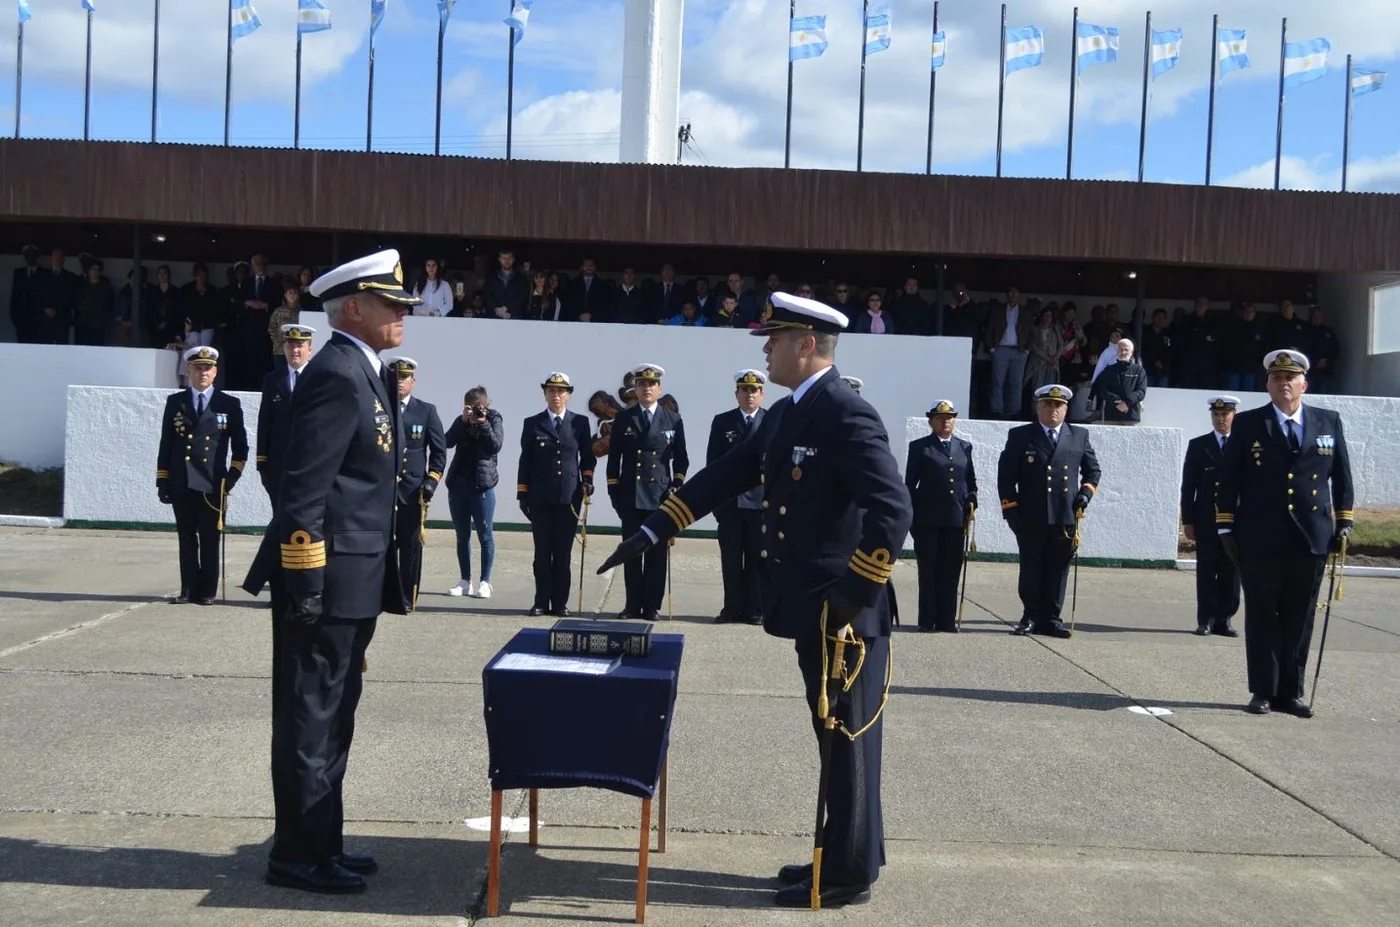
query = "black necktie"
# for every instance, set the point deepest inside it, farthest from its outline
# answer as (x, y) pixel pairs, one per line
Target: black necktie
(1054, 439)
(199, 406)
(646, 418)
(748, 425)
(948, 448)
(1223, 439)
(1293, 441)
(558, 424)
(293, 387)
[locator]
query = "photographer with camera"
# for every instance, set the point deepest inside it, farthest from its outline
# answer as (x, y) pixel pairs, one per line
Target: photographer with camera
(478, 434)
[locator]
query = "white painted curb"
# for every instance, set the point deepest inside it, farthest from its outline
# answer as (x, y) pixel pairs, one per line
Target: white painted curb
(1371, 572)
(29, 521)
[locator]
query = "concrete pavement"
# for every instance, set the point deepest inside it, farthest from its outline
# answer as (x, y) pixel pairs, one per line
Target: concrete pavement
(1019, 786)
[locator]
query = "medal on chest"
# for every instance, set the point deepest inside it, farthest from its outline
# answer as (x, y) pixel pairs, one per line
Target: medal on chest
(799, 454)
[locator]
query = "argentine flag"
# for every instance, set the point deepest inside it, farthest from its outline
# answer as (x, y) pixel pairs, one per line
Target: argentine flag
(24, 14)
(312, 16)
(1305, 61)
(877, 33)
(244, 20)
(1232, 51)
(90, 5)
(445, 10)
(806, 37)
(518, 19)
(1166, 51)
(1095, 45)
(940, 50)
(1025, 48)
(1366, 80)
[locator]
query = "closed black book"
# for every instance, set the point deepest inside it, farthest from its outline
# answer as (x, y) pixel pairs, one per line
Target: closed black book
(600, 638)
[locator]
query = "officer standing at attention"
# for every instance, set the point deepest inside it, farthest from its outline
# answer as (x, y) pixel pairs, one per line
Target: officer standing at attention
(1285, 500)
(334, 522)
(199, 427)
(421, 462)
(740, 520)
(943, 487)
(647, 460)
(1217, 579)
(554, 476)
(835, 514)
(275, 411)
(1045, 520)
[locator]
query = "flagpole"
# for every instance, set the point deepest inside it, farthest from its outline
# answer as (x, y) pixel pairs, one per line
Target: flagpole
(510, 83)
(87, 82)
(932, 87)
(19, 74)
(155, 68)
(1146, 77)
(1278, 139)
(860, 118)
(369, 96)
(1346, 128)
(787, 130)
(1073, 81)
(296, 112)
(228, 75)
(1214, 74)
(437, 122)
(1001, 87)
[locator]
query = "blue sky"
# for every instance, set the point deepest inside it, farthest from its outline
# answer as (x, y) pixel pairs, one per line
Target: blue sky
(568, 71)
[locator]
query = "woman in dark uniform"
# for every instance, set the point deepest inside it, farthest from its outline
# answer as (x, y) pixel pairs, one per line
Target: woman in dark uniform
(943, 487)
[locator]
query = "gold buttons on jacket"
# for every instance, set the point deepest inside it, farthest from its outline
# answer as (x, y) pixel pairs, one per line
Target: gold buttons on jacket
(765, 505)
(782, 509)
(1290, 506)
(781, 536)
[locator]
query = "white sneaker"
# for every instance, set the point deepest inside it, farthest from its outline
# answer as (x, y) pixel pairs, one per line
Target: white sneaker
(483, 591)
(463, 587)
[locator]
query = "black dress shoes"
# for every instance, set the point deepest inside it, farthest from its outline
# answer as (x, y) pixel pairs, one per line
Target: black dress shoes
(205, 600)
(535, 611)
(562, 613)
(755, 619)
(1201, 630)
(626, 614)
(795, 873)
(946, 629)
(182, 599)
(361, 863)
(1023, 627)
(326, 878)
(1294, 706)
(1053, 629)
(833, 896)
(1258, 706)
(924, 630)
(650, 614)
(725, 618)
(1223, 629)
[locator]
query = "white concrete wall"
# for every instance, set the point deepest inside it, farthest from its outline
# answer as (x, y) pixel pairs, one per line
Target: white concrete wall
(111, 467)
(651, 80)
(34, 380)
(1133, 516)
(113, 439)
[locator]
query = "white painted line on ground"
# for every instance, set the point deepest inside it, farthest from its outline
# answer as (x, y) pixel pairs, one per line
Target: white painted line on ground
(1149, 710)
(508, 825)
(1349, 570)
(10, 651)
(29, 521)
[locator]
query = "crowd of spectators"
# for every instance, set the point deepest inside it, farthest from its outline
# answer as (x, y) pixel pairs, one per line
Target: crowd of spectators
(1018, 345)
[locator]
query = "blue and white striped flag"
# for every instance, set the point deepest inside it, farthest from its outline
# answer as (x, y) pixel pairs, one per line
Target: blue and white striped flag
(24, 14)
(1095, 45)
(940, 51)
(376, 16)
(244, 21)
(877, 32)
(1366, 80)
(1305, 61)
(806, 37)
(1025, 48)
(518, 19)
(1232, 51)
(312, 16)
(445, 10)
(90, 5)
(1166, 51)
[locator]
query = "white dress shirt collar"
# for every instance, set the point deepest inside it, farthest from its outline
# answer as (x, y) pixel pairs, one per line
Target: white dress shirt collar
(195, 394)
(650, 410)
(1296, 417)
(370, 353)
(553, 417)
(807, 384)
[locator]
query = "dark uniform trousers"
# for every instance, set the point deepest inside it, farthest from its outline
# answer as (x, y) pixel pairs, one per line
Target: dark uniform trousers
(940, 554)
(1045, 552)
(408, 521)
(197, 524)
(552, 527)
(1217, 580)
(739, 542)
(317, 681)
(1281, 591)
(644, 576)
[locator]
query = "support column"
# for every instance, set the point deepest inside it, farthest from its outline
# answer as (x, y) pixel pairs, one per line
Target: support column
(651, 80)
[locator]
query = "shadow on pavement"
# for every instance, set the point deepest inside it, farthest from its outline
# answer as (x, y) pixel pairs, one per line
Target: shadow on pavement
(1086, 701)
(76, 596)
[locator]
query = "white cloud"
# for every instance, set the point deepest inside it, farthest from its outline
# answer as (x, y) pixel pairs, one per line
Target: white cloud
(1365, 175)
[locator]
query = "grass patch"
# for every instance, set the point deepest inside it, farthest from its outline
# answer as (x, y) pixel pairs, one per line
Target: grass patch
(1376, 533)
(31, 492)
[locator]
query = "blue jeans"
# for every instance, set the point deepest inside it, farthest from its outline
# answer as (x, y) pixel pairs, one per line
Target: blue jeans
(473, 509)
(1240, 382)
(1008, 370)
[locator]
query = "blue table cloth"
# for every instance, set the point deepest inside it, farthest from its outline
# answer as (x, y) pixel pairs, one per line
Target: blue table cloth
(553, 730)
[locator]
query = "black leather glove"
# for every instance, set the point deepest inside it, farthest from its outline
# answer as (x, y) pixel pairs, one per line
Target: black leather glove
(1343, 531)
(266, 479)
(970, 507)
(163, 494)
(303, 609)
(676, 482)
(633, 547)
(232, 479)
(1013, 520)
(428, 489)
(1231, 548)
(588, 487)
(1081, 500)
(525, 510)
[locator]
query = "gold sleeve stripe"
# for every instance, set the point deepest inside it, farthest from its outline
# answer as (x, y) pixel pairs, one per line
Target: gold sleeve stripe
(612, 482)
(1346, 514)
(303, 553)
(162, 474)
(239, 465)
(669, 513)
(1007, 505)
(679, 476)
(877, 563)
(679, 512)
(1224, 518)
(587, 473)
(262, 458)
(434, 475)
(1093, 490)
(866, 574)
(522, 487)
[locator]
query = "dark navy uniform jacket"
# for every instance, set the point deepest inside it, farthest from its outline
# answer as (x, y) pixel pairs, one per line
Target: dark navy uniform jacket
(643, 462)
(424, 454)
(1040, 482)
(835, 511)
(194, 451)
(1200, 480)
(274, 428)
(335, 515)
(1268, 492)
(727, 433)
(554, 467)
(940, 484)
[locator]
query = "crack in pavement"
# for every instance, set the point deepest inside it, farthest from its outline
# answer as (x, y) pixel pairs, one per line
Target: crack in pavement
(74, 629)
